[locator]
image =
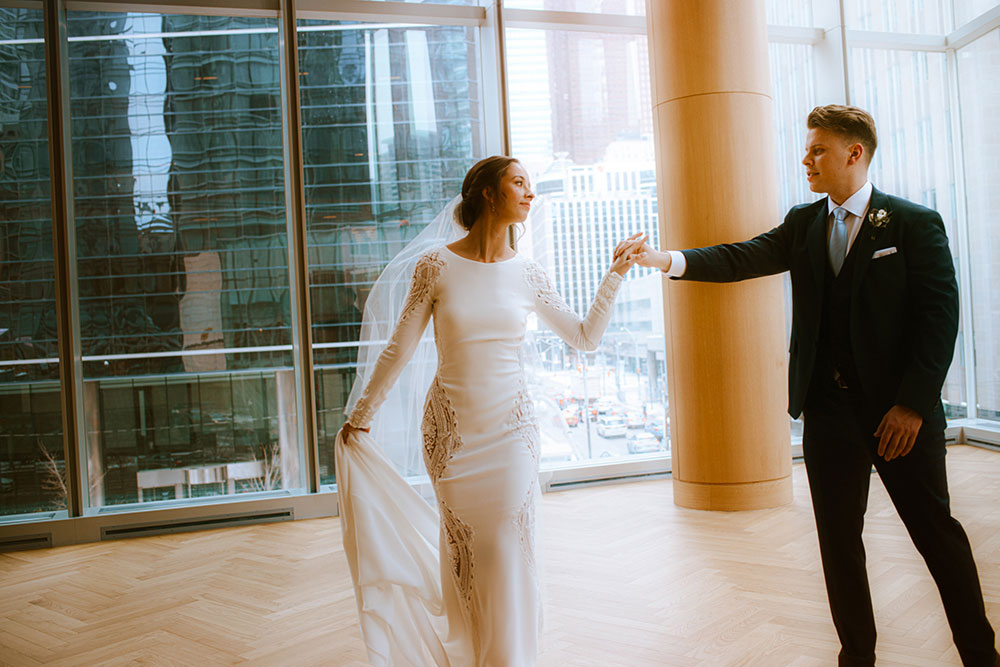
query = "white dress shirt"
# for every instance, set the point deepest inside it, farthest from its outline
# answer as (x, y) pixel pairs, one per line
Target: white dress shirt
(856, 205)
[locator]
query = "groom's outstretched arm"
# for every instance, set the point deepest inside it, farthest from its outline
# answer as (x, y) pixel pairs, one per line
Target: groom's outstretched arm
(763, 255)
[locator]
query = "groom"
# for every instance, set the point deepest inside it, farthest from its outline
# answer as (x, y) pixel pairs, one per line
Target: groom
(874, 321)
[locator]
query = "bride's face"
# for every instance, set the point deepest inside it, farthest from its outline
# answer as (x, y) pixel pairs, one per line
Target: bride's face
(514, 201)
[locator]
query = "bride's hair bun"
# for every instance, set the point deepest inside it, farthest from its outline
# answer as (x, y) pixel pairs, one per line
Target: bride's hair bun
(484, 175)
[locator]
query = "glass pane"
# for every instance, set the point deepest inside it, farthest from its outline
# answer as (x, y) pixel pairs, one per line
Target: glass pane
(182, 260)
(909, 16)
(582, 125)
(789, 12)
(390, 124)
(979, 83)
(634, 7)
(966, 10)
(794, 95)
(440, 2)
(32, 470)
(907, 93)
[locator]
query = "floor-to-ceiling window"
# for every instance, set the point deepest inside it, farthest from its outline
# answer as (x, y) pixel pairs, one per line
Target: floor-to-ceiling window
(979, 96)
(181, 256)
(793, 70)
(183, 292)
(907, 94)
(904, 69)
(32, 467)
(581, 123)
(391, 121)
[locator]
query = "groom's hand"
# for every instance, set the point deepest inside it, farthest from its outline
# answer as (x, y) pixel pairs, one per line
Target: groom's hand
(656, 259)
(629, 245)
(623, 257)
(897, 432)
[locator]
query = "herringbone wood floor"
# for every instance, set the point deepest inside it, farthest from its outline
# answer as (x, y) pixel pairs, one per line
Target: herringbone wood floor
(631, 580)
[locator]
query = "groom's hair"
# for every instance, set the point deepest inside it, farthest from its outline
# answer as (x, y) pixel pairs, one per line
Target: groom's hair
(851, 123)
(484, 175)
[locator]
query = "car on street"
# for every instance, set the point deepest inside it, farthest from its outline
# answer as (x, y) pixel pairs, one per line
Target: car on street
(605, 405)
(656, 428)
(555, 451)
(634, 419)
(572, 416)
(610, 426)
(642, 443)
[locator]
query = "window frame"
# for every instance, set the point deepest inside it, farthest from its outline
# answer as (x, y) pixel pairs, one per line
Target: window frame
(829, 36)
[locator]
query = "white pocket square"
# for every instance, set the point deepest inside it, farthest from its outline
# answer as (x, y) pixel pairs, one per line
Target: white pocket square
(884, 252)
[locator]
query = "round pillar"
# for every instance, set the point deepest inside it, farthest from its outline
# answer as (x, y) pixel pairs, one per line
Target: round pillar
(717, 184)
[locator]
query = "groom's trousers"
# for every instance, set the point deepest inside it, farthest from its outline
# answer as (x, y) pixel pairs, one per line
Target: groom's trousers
(839, 450)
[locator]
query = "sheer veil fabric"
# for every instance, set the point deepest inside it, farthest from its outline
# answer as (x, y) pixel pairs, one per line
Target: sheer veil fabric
(456, 583)
(397, 425)
(390, 532)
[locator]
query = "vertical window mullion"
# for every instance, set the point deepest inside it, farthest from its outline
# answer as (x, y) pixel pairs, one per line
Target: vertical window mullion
(64, 251)
(962, 226)
(291, 127)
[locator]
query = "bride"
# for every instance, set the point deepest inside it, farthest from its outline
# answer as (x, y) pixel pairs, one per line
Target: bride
(459, 586)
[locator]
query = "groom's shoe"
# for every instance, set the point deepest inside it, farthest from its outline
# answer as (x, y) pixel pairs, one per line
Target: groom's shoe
(845, 660)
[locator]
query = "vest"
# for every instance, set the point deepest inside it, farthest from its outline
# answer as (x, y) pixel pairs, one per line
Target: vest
(834, 356)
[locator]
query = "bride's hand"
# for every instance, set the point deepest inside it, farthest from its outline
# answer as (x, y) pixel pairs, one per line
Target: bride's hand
(623, 258)
(347, 430)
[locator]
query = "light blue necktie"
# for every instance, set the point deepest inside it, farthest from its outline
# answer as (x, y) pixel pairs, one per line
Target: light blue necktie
(838, 239)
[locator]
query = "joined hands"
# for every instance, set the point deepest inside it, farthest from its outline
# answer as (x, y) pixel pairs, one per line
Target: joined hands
(626, 252)
(643, 254)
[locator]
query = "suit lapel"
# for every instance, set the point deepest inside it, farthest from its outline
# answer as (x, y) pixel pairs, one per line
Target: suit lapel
(866, 240)
(816, 245)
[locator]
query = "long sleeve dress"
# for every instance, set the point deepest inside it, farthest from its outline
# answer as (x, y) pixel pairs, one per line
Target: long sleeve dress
(481, 604)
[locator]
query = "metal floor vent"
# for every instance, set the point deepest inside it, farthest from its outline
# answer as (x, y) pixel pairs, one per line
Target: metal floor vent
(601, 481)
(198, 523)
(23, 542)
(985, 444)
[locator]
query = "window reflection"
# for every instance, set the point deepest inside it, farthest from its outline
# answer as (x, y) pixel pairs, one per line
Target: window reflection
(390, 124)
(979, 85)
(581, 123)
(907, 93)
(32, 467)
(594, 6)
(181, 256)
(900, 16)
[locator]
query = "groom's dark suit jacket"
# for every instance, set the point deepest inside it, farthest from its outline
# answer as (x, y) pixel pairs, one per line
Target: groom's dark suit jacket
(903, 307)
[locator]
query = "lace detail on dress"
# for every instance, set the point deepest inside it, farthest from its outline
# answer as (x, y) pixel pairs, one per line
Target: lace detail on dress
(361, 415)
(441, 441)
(440, 431)
(460, 538)
(539, 281)
(607, 291)
(524, 423)
(425, 277)
(524, 524)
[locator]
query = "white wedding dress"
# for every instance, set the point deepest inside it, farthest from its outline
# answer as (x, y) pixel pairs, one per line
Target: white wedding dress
(478, 602)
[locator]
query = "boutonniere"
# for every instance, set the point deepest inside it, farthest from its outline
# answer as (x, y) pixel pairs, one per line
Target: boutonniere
(878, 220)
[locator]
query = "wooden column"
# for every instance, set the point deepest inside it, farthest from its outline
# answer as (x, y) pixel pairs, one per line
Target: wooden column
(726, 344)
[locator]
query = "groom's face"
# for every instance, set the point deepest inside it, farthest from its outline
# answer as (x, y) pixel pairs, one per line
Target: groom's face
(828, 159)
